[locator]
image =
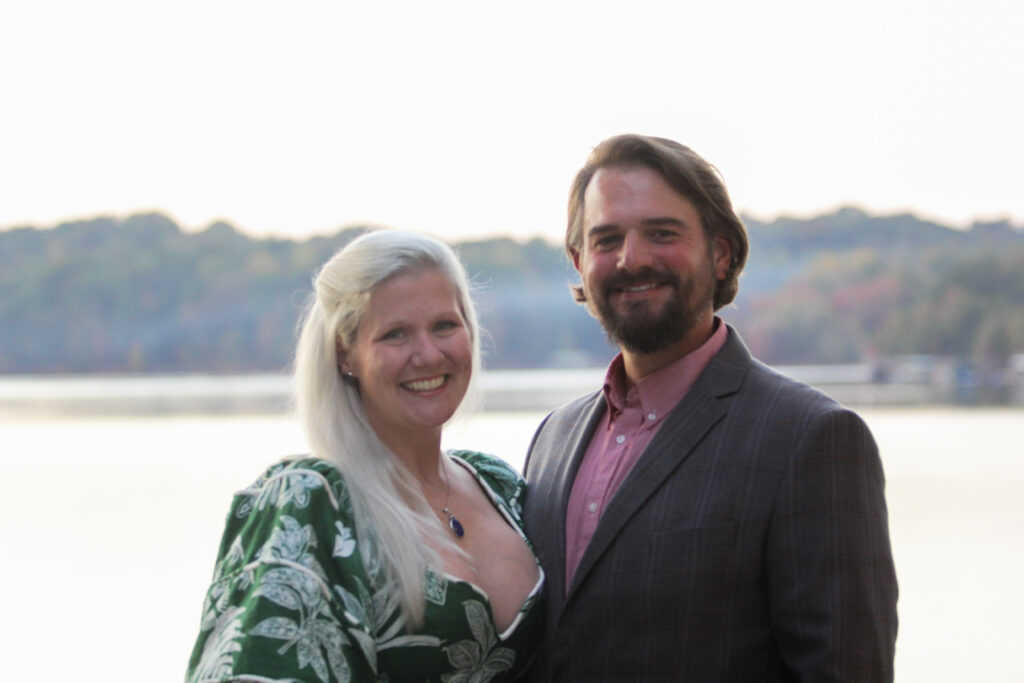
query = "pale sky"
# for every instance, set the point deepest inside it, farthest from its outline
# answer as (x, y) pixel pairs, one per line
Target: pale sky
(468, 119)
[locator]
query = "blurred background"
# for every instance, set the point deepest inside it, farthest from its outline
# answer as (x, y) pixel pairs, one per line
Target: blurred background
(171, 176)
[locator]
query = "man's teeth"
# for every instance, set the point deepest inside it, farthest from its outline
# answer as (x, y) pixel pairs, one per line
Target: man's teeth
(640, 288)
(425, 384)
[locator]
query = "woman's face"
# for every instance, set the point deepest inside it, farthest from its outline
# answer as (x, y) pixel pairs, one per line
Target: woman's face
(412, 354)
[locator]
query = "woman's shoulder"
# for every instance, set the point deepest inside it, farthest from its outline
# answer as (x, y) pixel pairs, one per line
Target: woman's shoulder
(486, 463)
(296, 465)
(294, 482)
(498, 474)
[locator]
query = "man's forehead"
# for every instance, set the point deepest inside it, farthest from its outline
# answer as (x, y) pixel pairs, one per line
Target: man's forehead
(637, 194)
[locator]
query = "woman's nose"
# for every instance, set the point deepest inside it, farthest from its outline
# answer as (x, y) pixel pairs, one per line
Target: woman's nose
(427, 350)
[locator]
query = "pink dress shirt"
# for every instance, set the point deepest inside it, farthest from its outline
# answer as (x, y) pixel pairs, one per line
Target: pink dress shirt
(625, 430)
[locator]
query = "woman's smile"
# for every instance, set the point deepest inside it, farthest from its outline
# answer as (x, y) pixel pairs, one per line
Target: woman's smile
(425, 385)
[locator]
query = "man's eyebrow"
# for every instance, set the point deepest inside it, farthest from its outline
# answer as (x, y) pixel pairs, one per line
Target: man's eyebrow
(664, 220)
(602, 228)
(654, 222)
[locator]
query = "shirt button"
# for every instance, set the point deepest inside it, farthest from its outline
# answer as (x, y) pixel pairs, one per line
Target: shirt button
(652, 416)
(592, 507)
(620, 439)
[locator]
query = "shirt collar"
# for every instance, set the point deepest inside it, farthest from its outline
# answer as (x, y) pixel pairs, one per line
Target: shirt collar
(661, 391)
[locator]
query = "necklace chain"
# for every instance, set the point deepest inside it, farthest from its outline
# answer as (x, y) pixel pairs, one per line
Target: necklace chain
(453, 522)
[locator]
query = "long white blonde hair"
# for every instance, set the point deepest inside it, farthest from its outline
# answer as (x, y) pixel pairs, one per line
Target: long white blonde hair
(392, 516)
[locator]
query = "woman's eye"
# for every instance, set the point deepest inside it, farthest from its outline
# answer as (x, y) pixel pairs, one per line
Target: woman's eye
(393, 334)
(446, 325)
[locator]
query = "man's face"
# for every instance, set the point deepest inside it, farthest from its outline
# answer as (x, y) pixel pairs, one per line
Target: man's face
(648, 271)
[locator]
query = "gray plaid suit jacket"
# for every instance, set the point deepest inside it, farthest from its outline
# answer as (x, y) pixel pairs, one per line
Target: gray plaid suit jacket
(750, 541)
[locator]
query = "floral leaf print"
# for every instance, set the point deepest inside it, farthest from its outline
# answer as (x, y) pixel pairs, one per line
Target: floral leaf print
(378, 621)
(280, 594)
(279, 628)
(410, 641)
(289, 487)
(359, 605)
(332, 638)
(245, 507)
(359, 611)
(498, 661)
(463, 655)
(234, 555)
(480, 624)
(216, 602)
(435, 588)
(309, 655)
(299, 486)
(480, 661)
(290, 541)
(280, 487)
(301, 582)
(220, 647)
(342, 496)
(209, 619)
(371, 560)
(315, 637)
(314, 633)
(373, 609)
(344, 544)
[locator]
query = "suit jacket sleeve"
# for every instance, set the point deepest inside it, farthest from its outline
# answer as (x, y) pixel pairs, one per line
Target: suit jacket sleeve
(832, 586)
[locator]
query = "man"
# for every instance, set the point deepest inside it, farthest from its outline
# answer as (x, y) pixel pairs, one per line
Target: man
(702, 517)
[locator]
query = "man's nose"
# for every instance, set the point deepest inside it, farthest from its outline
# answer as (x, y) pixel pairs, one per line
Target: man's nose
(634, 254)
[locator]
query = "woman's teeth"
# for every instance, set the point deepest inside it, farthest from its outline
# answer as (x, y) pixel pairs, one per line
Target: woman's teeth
(425, 384)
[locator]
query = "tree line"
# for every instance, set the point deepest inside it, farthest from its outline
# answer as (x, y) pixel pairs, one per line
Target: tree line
(139, 294)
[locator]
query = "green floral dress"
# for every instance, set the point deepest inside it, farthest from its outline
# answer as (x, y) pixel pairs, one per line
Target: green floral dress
(297, 595)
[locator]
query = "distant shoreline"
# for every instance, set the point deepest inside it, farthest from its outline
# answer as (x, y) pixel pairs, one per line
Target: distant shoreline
(501, 390)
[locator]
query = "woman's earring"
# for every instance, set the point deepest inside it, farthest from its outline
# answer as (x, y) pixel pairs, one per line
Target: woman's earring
(350, 377)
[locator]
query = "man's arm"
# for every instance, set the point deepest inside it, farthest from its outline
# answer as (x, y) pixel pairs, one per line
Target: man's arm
(831, 580)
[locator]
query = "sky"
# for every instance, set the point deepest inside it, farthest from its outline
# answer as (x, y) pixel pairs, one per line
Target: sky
(469, 119)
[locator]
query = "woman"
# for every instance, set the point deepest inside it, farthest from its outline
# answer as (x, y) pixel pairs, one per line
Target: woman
(379, 557)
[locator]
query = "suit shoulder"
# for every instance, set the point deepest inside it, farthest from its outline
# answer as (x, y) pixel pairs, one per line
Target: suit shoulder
(563, 426)
(573, 409)
(781, 393)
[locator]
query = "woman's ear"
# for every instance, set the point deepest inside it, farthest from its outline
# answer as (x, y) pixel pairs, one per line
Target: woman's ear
(342, 356)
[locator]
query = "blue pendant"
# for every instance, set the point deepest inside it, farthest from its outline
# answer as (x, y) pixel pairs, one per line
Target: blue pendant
(455, 525)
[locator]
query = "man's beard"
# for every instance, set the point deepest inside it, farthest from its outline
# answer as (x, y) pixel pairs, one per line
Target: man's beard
(641, 330)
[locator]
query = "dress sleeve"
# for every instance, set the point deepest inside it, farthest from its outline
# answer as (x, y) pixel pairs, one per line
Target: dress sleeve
(832, 584)
(287, 596)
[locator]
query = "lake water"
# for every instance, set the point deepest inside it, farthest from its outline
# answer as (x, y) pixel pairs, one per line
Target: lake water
(109, 526)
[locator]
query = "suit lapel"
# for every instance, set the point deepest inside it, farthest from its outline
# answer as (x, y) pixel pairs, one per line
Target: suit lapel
(690, 421)
(553, 480)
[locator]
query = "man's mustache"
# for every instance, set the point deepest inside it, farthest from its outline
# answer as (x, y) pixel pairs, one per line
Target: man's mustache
(621, 280)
